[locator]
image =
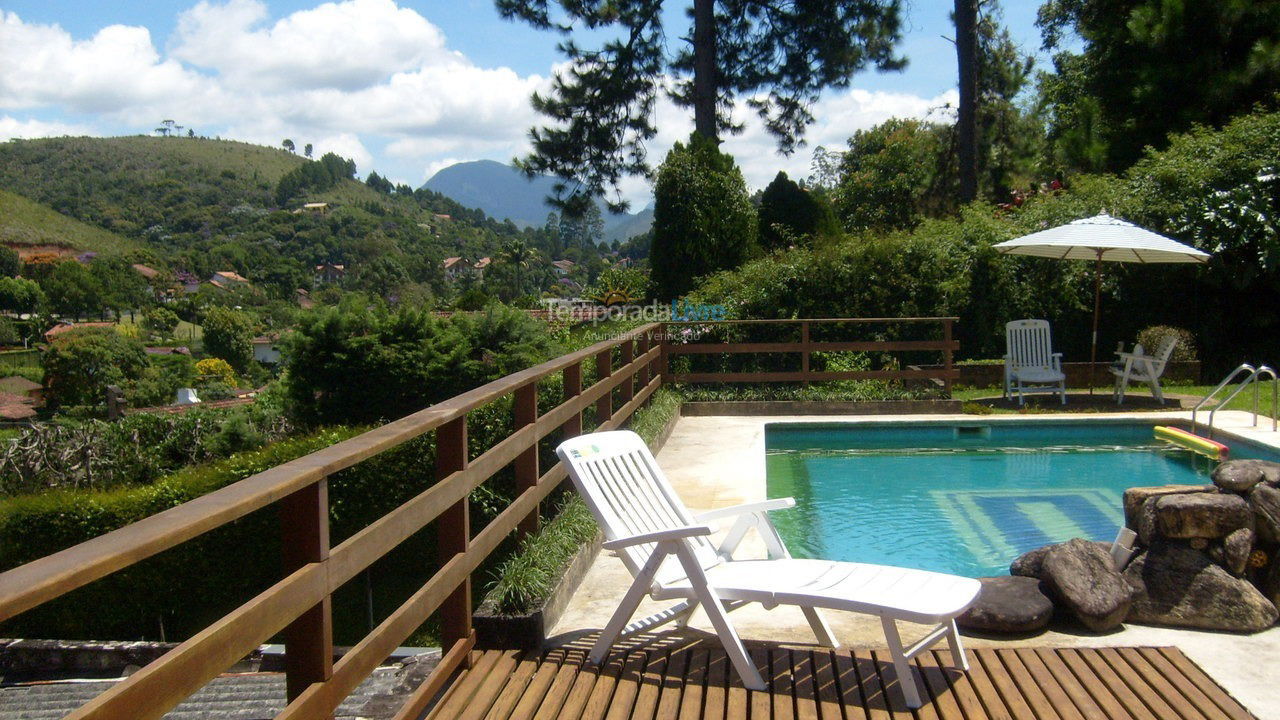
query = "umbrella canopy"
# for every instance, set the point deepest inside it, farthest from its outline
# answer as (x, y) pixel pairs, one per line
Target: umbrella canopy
(1102, 237)
(1099, 238)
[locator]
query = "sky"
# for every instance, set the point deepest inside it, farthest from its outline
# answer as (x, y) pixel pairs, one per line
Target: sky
(401, 87)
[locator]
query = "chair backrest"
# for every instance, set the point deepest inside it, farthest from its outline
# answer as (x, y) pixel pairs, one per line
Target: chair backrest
(628, 494)
(1028, 343)
(1163, 353)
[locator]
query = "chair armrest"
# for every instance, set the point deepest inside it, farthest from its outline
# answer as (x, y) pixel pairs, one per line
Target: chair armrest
(679, 533)
(1057, 361)
(735, 510)
(1131, 356)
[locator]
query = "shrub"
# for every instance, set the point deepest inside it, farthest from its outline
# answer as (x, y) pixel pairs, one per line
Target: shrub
(228, 334)
(160, 382)
(133, 451)
(81, 363)
(359, 365)
(1185, 351)
(160, 320)
(216, 369)
(703, 220)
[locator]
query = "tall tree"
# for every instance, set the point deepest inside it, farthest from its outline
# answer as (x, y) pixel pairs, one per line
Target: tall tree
(779, 53)
(966, 19)
(789, 213)
(703, 220)
(1152, 67)
(1009, 137)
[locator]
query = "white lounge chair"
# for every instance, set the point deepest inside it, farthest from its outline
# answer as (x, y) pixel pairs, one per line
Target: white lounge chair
(1137, 366)
(669, 553)
(1031, 366)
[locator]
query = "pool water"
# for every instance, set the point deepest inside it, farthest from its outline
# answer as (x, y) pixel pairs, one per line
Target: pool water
(962, 499)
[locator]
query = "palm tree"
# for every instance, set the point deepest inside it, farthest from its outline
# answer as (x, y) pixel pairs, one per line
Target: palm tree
(518, 255)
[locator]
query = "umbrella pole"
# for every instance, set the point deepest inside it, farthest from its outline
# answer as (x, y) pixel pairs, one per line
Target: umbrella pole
(1097, 304)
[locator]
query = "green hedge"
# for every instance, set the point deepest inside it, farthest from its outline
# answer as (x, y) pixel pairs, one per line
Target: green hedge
(183, 588)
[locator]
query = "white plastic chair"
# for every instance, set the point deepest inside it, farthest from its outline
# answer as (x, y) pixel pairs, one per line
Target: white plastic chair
(1138, 367)
(670, 556)
(1030, 365)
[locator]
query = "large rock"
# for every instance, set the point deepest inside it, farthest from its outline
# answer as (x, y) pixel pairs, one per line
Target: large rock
(1239, 476)
(1008, 604)
(1235, 550)
(1201, 515)
(1265, 501)
(1029, 563)
(1081, 578)
(1182, 587)
(1271, 583)
(1134, 497)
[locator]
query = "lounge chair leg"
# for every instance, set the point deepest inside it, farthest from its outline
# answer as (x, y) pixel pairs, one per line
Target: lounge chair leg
(1155, 390)
(720, 621)
(821, 629)
(639, 588)
(901, 666)
(957, 649)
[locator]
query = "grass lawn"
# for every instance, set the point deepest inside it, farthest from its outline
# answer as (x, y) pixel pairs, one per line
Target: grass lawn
(1244, 401)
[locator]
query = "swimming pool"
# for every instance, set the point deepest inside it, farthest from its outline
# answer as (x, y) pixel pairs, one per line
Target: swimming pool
(963, 498)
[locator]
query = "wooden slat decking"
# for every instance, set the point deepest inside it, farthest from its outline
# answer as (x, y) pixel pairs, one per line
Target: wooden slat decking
(669, 678)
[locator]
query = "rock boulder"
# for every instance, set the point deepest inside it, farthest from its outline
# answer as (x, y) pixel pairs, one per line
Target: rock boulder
(1182, 587)
(1265, 502)
(1081, 578)
(1029, 563)
(1235, 550)
(1201, 515)
(1240, 476)
(1134, 497)
(1008, 604)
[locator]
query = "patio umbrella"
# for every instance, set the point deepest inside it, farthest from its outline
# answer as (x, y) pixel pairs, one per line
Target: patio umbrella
(1099, 238)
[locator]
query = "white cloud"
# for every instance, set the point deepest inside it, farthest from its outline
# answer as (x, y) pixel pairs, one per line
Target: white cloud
(112, 71)
(343, 45)
(11, 127)
(345, 76)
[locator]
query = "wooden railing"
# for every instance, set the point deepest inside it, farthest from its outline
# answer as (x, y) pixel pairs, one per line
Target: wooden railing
(628, 368)
(805, 347)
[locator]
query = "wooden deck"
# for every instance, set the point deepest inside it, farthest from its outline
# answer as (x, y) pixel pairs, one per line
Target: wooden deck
(686, 679)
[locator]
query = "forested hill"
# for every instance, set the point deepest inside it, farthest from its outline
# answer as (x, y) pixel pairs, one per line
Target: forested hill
(201, 205)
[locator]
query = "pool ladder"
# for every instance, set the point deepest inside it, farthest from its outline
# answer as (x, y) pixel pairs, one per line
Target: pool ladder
(1255, 375)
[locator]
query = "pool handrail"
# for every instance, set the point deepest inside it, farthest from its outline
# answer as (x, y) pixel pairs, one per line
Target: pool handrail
(1252, 379)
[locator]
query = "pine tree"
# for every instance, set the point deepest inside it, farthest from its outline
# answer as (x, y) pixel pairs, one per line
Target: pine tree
(781, 54)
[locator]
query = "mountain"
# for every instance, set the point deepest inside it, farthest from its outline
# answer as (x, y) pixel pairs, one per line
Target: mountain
(503, 192)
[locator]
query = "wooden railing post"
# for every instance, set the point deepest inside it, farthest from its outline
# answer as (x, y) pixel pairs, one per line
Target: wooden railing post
(572, 389)
(646, 370)
(804, 351)
(664, 341)
(947, 356)
(526, 465)
(308, 640)
(628, 387)
(604, 368)
(453, 532)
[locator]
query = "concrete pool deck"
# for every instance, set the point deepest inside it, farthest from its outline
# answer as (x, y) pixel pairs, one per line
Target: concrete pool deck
(719, 461)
